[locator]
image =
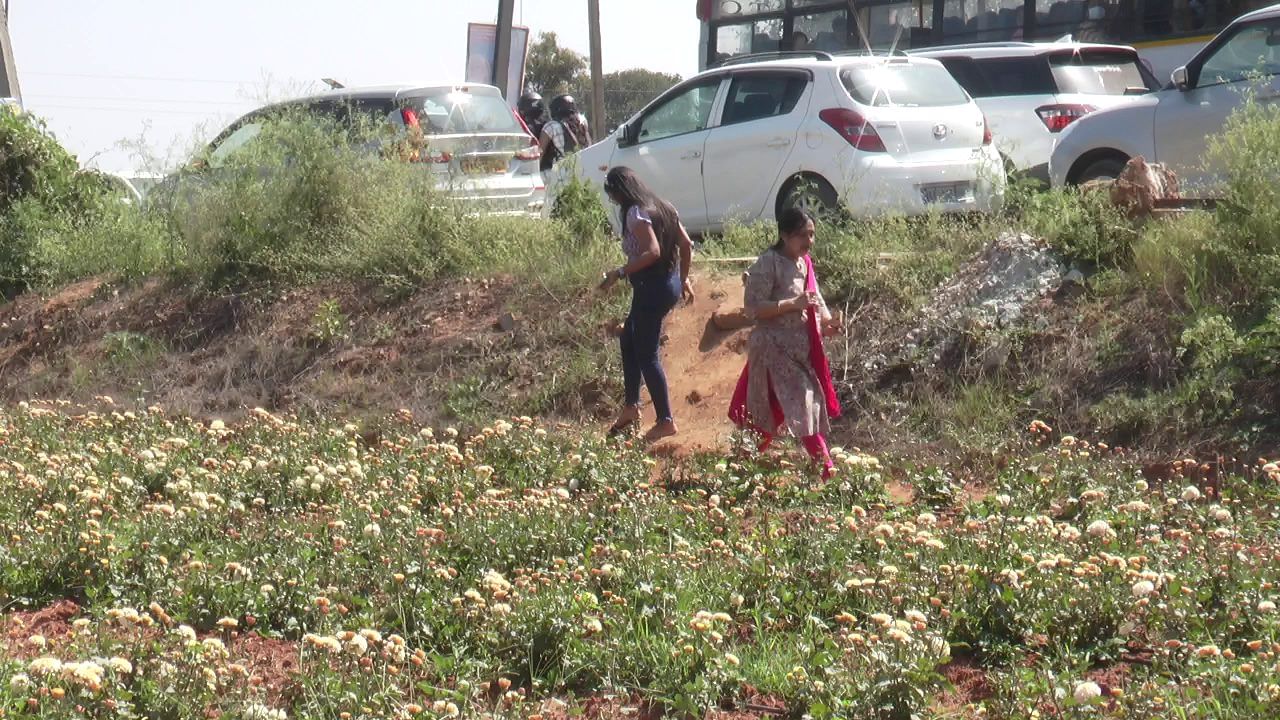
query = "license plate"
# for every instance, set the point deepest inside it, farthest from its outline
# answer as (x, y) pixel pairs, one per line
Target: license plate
(943, 193)
(484, 166)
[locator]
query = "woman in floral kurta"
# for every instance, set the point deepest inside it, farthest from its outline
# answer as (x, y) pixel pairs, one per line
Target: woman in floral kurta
(785, 392)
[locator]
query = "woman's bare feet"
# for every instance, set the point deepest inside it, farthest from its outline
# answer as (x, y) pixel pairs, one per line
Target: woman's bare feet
(629, 415)
(664, 429)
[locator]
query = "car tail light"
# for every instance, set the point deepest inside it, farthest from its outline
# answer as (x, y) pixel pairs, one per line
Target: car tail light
(986, 131)
(410, 117)
(853, 128)
(1058, 117)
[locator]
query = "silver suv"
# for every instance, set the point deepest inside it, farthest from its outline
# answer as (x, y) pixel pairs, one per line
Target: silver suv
(1031, 92)
(476, 148)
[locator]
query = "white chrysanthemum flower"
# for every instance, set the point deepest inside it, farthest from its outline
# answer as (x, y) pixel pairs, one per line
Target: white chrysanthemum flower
(1087, 692)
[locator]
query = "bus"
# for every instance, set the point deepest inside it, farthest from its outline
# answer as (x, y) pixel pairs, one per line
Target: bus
(1165, 32)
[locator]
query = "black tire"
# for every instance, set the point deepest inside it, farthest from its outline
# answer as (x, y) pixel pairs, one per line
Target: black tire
(812, 194)
(1105, 169)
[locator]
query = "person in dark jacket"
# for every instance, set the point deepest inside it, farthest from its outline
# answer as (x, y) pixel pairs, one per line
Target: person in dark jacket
(533, 111)
(565, 134)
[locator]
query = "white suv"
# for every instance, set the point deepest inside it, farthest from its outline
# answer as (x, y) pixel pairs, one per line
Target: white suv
(1031, 92)
(1171, 126)
(744, 140)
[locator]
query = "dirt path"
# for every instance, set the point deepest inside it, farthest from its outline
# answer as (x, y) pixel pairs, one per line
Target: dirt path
(703, 364)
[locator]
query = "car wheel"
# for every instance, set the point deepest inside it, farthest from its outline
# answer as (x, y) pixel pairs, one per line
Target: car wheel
(813, 195)
(1104, 169)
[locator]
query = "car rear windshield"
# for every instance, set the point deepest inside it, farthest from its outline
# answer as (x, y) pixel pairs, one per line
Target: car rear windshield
(457, 111)
(1100, 73)
(999, 77)
(902, 85)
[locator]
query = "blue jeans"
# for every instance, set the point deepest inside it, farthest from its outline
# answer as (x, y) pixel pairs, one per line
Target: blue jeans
(654, 293)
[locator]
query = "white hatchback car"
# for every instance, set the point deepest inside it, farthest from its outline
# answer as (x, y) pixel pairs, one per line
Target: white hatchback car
(1031, 92)
(757, 134)
(1171, 126)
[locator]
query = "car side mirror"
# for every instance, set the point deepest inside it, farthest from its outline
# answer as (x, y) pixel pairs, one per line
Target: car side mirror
(1181, 79)
(624, 135)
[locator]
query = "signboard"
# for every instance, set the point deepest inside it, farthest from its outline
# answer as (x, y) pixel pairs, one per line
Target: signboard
(482, 53)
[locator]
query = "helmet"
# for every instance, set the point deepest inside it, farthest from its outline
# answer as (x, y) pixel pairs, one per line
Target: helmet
(530, 104)
(562, 106)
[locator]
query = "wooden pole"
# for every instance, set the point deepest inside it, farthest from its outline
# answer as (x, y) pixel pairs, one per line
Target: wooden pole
(502, 61)
(598, 125)
(8, 68)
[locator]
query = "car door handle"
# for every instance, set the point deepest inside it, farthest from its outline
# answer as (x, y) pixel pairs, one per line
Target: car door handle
(691, 155)
(779, 143)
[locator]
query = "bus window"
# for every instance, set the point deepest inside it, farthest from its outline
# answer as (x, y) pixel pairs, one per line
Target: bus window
(998, 20)
(1055, 18)
(889, 26)
(827, 31)
(748, 37)
(722, 9)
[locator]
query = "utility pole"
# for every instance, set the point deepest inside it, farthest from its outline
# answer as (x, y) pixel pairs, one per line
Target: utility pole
(502, 63)
(8, 69)
(598, 125)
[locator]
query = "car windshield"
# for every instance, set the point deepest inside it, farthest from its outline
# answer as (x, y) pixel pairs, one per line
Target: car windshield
(896, 84)
(1100, 73)
(457, 111)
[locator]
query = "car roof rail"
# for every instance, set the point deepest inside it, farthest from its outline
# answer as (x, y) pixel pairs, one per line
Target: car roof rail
(773, 55)
(896, 52)
(981, 45)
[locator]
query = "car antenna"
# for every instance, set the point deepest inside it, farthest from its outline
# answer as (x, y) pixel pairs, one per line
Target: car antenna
(333, 84)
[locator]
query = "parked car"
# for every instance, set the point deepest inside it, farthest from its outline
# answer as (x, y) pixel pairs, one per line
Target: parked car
(477, 149)
(1171, 126)
(1031, 92)
(757, 134)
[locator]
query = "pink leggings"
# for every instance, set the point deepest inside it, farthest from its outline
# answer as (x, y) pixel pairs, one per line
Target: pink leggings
(815, 445)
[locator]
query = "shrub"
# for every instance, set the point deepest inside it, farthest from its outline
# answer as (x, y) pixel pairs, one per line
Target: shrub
(58, 222)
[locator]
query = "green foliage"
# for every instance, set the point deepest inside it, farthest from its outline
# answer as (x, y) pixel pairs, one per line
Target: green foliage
(1082, 225)
(579, 204)
(330, 324)
(627, 92)
(551, 69)
(57, 222)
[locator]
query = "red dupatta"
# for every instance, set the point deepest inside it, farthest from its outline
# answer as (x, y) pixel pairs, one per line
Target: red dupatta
(817, 359)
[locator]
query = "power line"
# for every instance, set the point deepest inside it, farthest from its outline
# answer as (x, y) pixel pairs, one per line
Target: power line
(134, 110)
(149, 78)
(145, 100)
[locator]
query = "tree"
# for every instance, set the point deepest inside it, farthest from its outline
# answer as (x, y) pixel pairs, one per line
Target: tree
(626, 92)
(551, 69)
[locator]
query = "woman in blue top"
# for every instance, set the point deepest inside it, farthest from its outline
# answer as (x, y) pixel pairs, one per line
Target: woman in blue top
(658, 252)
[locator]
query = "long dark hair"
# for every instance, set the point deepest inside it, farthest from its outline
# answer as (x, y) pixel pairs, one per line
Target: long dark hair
(630, 191)
(793, 219)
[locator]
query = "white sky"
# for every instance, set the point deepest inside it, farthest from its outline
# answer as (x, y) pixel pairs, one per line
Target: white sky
(177, 71)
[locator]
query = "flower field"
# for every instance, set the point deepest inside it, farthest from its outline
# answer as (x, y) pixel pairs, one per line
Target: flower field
(276, 567)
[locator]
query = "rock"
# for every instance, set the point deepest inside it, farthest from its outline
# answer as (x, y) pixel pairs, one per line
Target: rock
(734, 320)
(1141, 184)
(695, 397)
(1075, 277)
(989, 294)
